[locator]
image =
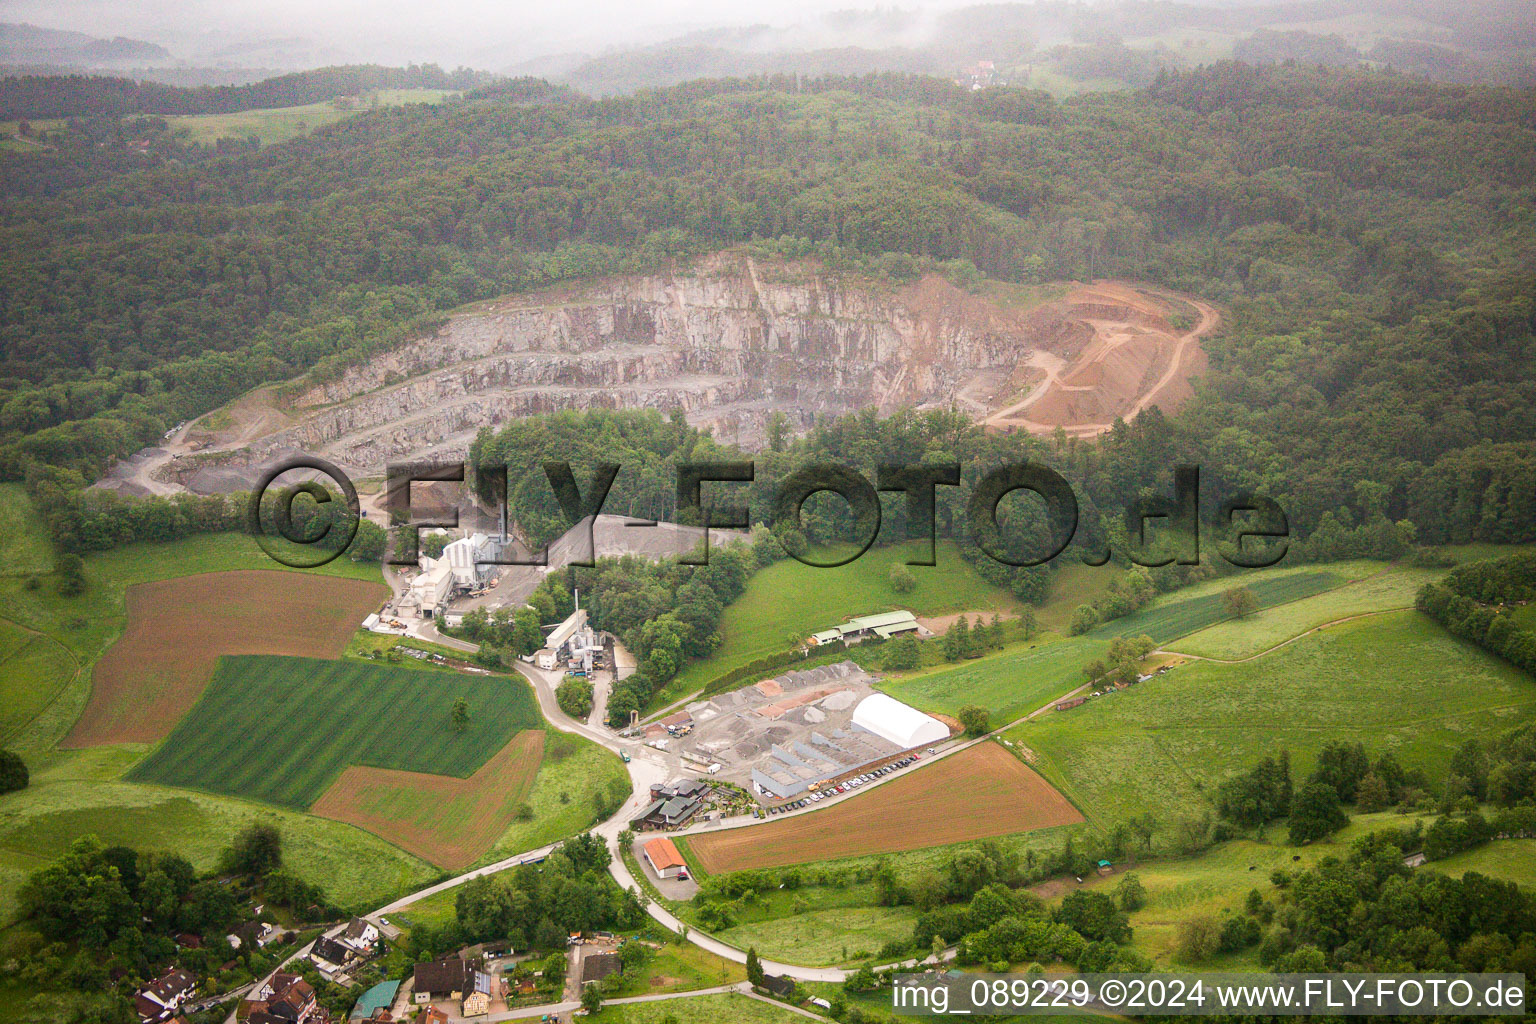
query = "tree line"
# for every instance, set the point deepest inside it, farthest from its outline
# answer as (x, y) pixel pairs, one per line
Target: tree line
(136, 300)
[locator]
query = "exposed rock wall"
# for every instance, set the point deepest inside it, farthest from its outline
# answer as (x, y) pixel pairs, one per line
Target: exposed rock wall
(731, 341)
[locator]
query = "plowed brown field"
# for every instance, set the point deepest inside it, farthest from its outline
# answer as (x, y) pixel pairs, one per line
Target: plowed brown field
(177, 629)
(982, 791)
(449, 822)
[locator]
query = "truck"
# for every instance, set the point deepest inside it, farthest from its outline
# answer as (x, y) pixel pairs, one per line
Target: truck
(625, 755)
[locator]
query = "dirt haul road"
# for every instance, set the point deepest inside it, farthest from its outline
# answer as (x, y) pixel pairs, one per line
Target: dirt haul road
(1130, 337)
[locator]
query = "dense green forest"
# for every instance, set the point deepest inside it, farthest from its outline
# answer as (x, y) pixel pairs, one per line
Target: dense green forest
(1370, 235)
(48, 96)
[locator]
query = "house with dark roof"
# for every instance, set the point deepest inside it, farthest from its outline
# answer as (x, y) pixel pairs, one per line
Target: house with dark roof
(781, 987)
(159, 1001)
(597, 966)
(285, 998)
(328, 954)
(444, 979)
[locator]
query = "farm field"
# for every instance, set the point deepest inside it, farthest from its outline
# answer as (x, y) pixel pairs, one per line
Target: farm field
(282, 729)
(1397, 682)
(1185, 611)
(78, 793)
(439, 818)
(788, 601)
(280, 124)
(1234, 638)
(917, 810)
(177, 629)
(841, 935)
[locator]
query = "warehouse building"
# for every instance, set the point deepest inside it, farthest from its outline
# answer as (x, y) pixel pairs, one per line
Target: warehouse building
(897, 723)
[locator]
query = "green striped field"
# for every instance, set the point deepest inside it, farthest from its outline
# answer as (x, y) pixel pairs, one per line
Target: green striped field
(281, 729)
(1173, 617)
(1017, 681)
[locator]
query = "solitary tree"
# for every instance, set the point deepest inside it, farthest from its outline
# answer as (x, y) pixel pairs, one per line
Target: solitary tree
(460, 714)
(1131, 893)
(975, 719)
(257, 851)
(755, 967)
(1240, 602)
(13, 772)
(901, 579)
(591, 999)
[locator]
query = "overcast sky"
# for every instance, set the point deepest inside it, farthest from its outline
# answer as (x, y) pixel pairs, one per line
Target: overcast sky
(482, 33)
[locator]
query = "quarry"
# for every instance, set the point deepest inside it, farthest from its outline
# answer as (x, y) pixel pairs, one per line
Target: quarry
(729, 340)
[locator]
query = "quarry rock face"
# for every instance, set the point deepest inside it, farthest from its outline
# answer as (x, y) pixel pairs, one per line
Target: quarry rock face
(729, 341)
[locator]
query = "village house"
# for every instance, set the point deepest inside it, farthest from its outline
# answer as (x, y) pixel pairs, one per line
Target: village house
(478, 1001)
(444, 979)
(158, 1001)
(330, 955)
(361, 935)
(283, 999)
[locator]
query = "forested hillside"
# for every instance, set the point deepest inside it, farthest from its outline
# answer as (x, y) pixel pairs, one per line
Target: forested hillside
(45, 96)
(1371, 238)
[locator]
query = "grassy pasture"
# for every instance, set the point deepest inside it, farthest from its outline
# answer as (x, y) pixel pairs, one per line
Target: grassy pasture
(918, 809)
(1274, 624)
(26, 545)
(788, 601)
(282, 729)
(34, 670)
(561, 797)
(1010, 684)
(1020, 679)
(1508, 860)
(1396, 682)
(710, 1009)
(823, 937)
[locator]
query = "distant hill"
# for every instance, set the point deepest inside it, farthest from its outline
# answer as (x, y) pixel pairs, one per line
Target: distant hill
(29, 44)
(1064, 46)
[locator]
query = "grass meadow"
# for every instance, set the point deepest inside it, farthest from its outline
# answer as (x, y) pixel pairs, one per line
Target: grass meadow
(282, 729)
(710, 1009)
(280, 124)
(1242, 638)
(788, 601)
(1396, 682)
(821, 937)
(1024, 677)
